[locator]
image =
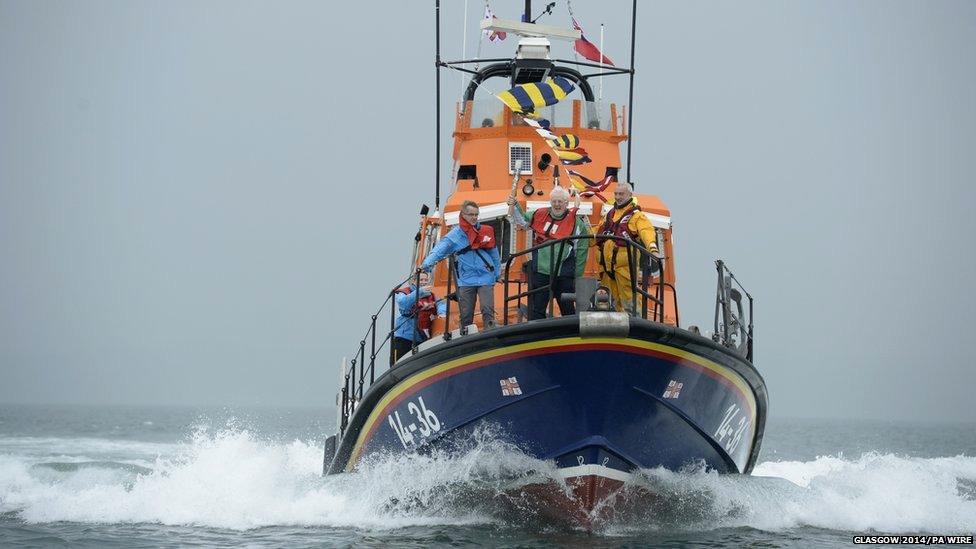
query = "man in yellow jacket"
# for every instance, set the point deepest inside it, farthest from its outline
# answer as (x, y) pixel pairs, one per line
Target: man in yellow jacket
(626, 220)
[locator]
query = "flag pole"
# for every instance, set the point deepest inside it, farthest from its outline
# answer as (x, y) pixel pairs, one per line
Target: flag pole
(630, 100)
(601, 62)
(437, 123)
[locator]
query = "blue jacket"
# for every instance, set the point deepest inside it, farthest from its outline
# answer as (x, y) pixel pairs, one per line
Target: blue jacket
(405, 326)
(471, 269)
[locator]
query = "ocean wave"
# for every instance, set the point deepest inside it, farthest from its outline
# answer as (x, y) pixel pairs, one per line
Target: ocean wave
(233, 479)
(89, 446)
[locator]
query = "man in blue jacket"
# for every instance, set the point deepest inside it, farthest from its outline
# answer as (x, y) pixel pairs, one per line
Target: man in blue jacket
(416, 314)
(478, 264)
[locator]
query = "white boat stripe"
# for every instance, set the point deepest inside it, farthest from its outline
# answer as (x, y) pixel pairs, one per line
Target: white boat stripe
(594, 469)
(494, 211)
(485, 213)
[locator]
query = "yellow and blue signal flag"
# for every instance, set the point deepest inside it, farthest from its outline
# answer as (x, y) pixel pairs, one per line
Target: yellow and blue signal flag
(573, 157)
(566, 141)
(526, 98)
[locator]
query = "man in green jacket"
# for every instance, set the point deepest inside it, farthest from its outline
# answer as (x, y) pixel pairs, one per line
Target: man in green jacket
(549, 224)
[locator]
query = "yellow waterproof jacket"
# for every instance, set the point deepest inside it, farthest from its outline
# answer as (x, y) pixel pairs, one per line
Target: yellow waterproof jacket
(639, 228)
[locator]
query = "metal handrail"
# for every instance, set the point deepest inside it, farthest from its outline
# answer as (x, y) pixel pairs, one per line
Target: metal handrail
(674, 296)
(353, 385)
(731, 322)
(637, 288)
(355, 377)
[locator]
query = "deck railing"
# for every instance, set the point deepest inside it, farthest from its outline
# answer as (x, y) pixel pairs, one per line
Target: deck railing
(634, 252)
(732, 328)
(362, 370)
(354, 380)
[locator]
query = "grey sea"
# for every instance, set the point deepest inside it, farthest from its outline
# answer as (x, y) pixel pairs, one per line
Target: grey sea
(161, 477)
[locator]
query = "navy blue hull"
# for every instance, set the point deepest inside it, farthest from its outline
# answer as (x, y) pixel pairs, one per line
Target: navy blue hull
(656, 398)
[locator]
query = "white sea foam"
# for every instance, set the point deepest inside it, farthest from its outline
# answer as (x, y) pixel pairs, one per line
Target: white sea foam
(83, 446)
(232, 479)
(882, 492)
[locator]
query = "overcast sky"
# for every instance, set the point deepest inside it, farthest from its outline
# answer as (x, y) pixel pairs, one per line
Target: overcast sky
(202, 203)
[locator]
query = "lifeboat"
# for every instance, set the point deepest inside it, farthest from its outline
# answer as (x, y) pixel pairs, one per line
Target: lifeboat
(602, 393)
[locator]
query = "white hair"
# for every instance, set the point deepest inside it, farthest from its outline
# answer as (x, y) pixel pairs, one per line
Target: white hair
(558, 192)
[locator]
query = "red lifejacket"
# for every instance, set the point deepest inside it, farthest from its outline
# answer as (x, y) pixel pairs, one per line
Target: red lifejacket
(423, 309)
(621, 227)
(545, 228)
(482, 238)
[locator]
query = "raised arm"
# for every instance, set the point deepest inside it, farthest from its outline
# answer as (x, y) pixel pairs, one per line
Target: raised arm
(516, 214)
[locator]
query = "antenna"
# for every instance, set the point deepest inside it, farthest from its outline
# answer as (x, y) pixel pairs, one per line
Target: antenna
(437, 123)
(630, 100)
(547, 11)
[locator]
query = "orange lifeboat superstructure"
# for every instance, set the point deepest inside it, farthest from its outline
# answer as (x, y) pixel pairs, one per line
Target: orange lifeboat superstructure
(487, 137)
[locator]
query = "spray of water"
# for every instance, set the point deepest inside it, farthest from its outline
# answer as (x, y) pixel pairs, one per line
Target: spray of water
(232, 479)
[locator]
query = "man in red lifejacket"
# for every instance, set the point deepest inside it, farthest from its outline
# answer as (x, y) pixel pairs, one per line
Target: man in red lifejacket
(417, 308)
(548, 224)
(624, 220)
(478, 264)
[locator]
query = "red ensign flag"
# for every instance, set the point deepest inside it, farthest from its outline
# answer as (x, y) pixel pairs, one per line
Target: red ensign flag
(586, 48)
